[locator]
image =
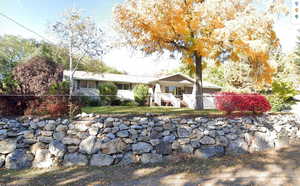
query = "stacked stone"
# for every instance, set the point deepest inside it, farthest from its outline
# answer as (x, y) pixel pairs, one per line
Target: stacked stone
(103, 141)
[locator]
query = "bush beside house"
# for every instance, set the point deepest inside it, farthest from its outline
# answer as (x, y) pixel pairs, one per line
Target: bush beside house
(108, 93)
(141, 93)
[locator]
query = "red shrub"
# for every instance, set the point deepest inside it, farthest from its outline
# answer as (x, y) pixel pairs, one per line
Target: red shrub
(54, 106)
(229, 102)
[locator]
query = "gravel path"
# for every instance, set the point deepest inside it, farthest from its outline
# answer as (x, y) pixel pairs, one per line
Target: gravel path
(280, 167)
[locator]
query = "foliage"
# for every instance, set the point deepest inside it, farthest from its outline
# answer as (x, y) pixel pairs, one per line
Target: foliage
(88, 101)
(108, 93)
(229, 102)
(141, 93)
(278, 104)
(54, 106)
(37, 75)
(93, 65)
(281, 97)
(8, 84)
(287, 69)
(13, 50)
(60, 88)
(284, 90)
(235, 28)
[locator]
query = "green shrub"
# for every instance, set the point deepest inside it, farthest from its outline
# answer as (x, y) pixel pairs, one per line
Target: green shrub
(277, 103)
(108, 93)
(61, 88)
(283, 90)
(282, 93)
(8, 84)
(141, 93)
(88, 101)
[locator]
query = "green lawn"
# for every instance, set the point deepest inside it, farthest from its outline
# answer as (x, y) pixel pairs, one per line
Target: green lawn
(143, 110)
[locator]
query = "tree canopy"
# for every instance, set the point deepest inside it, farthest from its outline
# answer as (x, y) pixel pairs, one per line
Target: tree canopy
(235, 29)
(15, 50)
(207, 28)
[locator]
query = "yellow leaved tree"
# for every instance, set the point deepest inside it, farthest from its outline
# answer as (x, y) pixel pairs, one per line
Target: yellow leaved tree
(241, 30)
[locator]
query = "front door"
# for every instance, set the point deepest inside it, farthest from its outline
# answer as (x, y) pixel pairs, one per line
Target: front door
(179, 92)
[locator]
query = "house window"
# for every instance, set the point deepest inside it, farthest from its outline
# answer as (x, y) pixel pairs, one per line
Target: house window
(188, 90)
(91, 84)
(122, 86)
(170, 89)
(83, 84)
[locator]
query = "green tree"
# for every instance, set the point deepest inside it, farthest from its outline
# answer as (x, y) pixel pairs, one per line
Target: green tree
(13, 50)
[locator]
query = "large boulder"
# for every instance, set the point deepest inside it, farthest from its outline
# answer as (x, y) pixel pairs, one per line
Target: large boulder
(184, 132)
(141, 147)
(101, 160)
(50, 126)
(87, 145)
(42, 159)
(238, 146)
(7, 146)
(70, 141)
(113, 146)
(151, 158)
(57, 148)
(209, 151)
(260, 141)
(129, 158)
(75, 159)
(206, 140)
(163, 148)
(19, 159)
(123, 134)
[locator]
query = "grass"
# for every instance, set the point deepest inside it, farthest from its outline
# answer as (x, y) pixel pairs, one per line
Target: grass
(128, 110)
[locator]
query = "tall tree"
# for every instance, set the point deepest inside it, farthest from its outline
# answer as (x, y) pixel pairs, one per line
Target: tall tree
(81, 36)
(14, 49)
(201, 29)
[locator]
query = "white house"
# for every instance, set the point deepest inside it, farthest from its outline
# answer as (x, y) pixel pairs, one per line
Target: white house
(173, 90)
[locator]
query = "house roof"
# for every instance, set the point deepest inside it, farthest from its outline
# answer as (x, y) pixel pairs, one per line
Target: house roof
(82, 75)
(186, 79)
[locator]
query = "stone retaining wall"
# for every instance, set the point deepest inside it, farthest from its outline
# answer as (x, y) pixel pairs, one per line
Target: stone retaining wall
(103, 141)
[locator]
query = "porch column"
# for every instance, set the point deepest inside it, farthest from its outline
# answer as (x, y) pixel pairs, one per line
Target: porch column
(150, 91)
(157, 96)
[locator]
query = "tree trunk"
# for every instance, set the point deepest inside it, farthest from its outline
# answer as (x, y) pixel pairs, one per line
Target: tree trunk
(198, 83)
(71, 70)
(71, 78)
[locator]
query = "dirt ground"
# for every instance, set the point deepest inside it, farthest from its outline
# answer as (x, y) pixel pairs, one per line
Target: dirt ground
(280, 167)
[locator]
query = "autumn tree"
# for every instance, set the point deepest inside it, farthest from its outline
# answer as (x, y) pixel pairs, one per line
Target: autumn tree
(200, 29)
(36, 76)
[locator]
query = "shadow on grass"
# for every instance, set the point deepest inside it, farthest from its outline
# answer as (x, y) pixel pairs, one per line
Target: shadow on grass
(272, 167)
